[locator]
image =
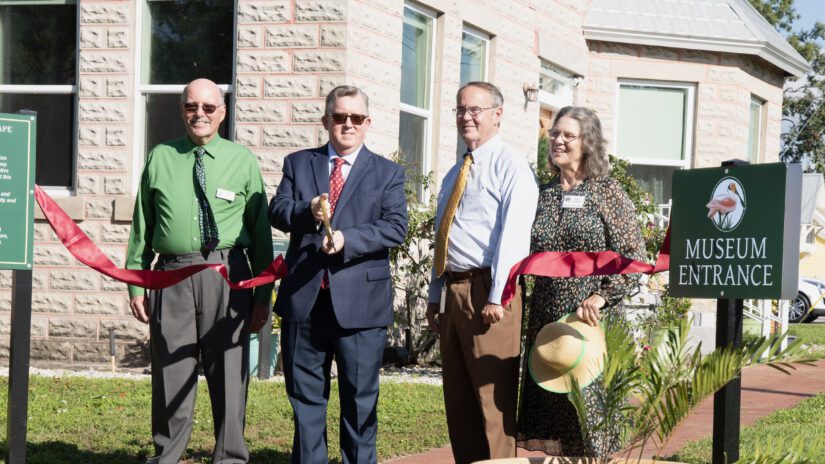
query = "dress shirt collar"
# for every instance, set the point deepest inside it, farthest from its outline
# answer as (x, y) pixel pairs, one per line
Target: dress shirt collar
(210, 147)
(487, 148)
(350, 159)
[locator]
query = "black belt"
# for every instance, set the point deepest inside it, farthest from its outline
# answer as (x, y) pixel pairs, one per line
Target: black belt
(222, 251)
(457, 276)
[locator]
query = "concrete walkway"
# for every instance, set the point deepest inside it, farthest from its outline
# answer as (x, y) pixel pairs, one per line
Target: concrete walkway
(764, 390)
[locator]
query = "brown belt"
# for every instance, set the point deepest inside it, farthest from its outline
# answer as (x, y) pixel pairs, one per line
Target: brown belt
(453, 276)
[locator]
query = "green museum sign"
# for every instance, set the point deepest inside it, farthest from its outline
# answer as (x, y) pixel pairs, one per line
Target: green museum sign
(17, 162)
(735, 232)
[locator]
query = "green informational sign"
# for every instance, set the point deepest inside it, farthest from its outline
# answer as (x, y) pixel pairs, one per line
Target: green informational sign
(17, 161)
(735, 232)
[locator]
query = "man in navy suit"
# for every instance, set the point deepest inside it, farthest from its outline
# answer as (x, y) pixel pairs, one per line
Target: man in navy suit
(337, 299)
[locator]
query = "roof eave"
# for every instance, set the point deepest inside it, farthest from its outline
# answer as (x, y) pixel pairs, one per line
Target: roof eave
(764, 50)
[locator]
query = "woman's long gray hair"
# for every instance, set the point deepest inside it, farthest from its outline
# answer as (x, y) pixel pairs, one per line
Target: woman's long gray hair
(594, 155)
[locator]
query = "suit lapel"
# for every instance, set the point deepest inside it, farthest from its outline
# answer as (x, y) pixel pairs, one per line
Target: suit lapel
(320, 169)
(359, 169)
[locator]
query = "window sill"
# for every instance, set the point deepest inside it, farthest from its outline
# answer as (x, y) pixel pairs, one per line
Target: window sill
(73, 206)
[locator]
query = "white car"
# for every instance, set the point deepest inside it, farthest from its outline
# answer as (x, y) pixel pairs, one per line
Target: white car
(810, 292)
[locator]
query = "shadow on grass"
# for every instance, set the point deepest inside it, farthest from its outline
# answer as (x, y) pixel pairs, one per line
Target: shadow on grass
(56, 452)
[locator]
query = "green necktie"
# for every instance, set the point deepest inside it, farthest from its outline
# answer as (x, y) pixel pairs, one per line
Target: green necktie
(206, 220)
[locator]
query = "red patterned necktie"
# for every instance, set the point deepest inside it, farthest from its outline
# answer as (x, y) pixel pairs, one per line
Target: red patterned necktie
(336, 184)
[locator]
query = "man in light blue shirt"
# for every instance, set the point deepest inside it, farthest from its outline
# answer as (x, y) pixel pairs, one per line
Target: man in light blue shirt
(490, 232)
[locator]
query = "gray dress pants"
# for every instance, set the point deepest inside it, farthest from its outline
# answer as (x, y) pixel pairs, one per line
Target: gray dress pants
(200, 318)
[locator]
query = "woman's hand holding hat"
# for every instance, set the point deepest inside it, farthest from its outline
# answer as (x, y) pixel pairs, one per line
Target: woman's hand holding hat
(590, 310)
(567, 347)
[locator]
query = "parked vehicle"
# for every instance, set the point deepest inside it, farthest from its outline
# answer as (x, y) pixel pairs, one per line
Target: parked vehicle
(810, 293)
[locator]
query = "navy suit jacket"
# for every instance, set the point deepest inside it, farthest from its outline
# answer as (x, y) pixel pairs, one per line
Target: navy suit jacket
(371, 213)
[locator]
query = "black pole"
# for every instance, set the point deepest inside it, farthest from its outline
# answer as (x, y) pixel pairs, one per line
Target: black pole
(17, 411)
(726, 402)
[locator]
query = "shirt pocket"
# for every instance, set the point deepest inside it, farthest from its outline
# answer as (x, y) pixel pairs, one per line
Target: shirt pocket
(477, 205)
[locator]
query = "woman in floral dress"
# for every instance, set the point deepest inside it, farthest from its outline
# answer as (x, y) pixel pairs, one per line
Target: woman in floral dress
(580, 210)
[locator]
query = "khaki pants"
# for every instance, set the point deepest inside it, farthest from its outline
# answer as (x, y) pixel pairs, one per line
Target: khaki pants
(480, 366)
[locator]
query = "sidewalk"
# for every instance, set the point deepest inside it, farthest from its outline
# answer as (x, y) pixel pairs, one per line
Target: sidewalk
(764, 390)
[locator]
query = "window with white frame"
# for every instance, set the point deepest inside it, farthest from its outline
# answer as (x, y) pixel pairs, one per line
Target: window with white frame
(181, 40)
(473, 67)
(755, 129)
(654, 131)
(38, 72)
(417, 51)
(474, 52)
(556, 86)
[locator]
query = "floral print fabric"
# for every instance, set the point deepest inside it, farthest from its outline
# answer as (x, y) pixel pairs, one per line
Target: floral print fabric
(605, 221)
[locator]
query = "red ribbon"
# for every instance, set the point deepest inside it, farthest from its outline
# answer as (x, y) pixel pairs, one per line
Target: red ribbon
(85, 251)
(581, 264)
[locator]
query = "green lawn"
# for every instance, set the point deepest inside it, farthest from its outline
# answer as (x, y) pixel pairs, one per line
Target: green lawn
(811, 334)
(89, 421)
(800, 429)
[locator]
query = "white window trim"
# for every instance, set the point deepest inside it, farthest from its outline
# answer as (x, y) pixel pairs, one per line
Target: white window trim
(690, 109)
(552, 101)
(470, 30)
(426, 158)
(140, 91)
(52, 89)
(759, 123)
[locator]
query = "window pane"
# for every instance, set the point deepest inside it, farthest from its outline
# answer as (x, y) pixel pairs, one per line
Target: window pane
(163, 121)
(556, 82)
(652, 122)
(473, 52)
(55, 149)
(657, 180)
(416, 59)
(411, 139)
(186, 40)
(38, 44)
(753, 132)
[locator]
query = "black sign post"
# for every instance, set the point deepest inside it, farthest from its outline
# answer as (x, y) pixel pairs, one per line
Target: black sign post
(18, 407)
(726, 402)
(17, 164)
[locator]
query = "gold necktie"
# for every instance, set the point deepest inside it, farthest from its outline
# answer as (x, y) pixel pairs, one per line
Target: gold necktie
(442, 237)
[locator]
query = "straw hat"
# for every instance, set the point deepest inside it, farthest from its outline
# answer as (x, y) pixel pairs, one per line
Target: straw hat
(567, 347)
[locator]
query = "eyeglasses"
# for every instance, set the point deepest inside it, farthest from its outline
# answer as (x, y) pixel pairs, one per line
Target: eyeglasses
(473, 110)
(341, 118)
(208, 108)
(566, 137)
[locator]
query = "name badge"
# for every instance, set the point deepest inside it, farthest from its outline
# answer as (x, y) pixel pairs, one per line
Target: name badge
(227, 195)
(572, 201)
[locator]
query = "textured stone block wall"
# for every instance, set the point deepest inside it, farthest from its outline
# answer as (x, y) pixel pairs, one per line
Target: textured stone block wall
(290, 54)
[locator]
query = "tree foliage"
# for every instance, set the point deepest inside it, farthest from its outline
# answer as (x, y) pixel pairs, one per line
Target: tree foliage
(803, 109)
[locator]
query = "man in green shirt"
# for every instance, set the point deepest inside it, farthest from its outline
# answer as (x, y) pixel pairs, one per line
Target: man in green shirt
(201, 201)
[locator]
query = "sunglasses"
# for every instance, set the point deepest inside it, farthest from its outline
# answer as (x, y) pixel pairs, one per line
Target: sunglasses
(341, 118)
(207, 107)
